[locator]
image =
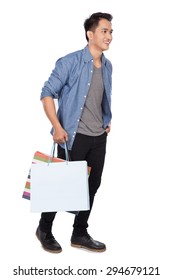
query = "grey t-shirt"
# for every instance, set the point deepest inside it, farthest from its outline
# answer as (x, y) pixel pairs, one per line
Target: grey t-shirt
(91, 122)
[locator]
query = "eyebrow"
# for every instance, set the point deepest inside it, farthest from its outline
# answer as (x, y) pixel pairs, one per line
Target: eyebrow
(106, 29)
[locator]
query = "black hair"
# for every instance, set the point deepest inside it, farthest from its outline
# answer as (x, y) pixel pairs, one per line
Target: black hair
(92, 22)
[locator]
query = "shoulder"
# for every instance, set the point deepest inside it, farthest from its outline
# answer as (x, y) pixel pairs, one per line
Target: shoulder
(71, 57)
(69, 62)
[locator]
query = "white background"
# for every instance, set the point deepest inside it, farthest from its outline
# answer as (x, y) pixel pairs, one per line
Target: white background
(133, 209)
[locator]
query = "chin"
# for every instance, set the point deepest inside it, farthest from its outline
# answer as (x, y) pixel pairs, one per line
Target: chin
(106, 48)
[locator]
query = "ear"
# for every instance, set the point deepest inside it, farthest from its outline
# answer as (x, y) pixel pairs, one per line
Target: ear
(90, 35)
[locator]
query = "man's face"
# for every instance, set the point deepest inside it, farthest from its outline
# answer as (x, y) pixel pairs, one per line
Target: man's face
(102, 36)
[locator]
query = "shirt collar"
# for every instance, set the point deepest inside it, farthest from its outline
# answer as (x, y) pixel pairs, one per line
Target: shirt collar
(88, 56)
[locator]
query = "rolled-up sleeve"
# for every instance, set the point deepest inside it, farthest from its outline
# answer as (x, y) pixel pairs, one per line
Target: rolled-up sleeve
(53, 86)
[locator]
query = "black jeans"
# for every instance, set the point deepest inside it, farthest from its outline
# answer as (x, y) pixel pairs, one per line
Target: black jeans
(93, 150)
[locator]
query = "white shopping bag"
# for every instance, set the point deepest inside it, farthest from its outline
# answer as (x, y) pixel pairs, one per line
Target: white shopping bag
(60, 186)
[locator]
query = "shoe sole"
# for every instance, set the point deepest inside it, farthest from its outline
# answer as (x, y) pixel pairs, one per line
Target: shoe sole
(47, 250)
(87, 248)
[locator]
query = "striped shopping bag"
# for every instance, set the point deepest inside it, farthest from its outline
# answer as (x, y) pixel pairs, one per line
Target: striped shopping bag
(38, 158)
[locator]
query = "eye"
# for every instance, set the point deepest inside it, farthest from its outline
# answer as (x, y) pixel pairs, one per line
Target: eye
(105, 31)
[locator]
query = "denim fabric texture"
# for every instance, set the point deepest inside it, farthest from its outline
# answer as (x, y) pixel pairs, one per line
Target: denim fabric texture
(69, 83)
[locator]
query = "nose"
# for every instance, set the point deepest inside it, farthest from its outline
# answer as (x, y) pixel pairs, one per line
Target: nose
(109, 36)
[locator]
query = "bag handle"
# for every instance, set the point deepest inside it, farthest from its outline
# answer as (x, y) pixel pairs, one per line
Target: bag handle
(66, 151)
(53, 152)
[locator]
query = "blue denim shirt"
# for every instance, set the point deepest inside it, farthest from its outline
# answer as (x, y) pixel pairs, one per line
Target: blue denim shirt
(69, 83)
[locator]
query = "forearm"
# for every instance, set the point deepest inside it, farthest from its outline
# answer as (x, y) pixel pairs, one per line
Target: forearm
(59, 134)
(50, 111)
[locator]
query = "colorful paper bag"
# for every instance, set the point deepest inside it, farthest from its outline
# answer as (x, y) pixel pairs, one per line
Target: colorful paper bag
(38, 158)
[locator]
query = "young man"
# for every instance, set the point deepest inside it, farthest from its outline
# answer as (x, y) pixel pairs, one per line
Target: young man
(81, 81)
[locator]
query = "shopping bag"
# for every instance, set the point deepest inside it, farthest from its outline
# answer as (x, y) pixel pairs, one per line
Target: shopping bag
(59, 186)
(40, 158)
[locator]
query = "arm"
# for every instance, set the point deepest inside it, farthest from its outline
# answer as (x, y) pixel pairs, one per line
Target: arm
(59, 135)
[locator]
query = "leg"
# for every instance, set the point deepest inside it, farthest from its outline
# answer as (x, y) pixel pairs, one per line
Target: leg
(94, 153)
(93, 150)
(46, 221)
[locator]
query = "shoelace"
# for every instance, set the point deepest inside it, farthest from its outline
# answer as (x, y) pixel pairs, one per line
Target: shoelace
(50, 236)
(87, 235)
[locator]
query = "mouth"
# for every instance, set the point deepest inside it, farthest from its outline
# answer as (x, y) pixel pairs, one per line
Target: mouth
(107, 43)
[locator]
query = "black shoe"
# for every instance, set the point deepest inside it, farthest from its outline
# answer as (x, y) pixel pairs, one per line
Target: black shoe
(87, 242)
(48, 241)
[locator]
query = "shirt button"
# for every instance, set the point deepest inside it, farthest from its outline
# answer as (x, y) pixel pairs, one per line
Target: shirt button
(84, 96)
(81, 108)
(88, 84)
(91, 71)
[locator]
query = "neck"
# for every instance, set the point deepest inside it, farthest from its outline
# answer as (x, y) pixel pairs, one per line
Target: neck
(96, 54)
